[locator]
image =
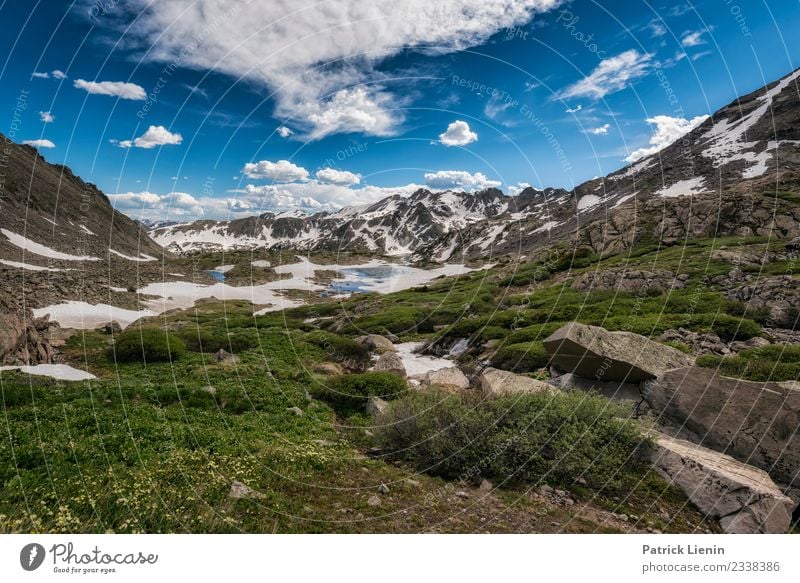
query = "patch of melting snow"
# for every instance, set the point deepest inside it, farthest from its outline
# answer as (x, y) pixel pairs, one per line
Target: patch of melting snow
(419, 364)
(184, 294)
(142, 257)
(61, 372)
(588, 201)
(85, 316)
(38, 249)
(683, 188)
(86, 230)
(30, 267)
(546, 227)
(224, 268)
(261, 263)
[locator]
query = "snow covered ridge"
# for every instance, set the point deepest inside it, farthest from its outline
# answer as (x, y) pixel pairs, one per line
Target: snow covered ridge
(38, 249)
(394, 226)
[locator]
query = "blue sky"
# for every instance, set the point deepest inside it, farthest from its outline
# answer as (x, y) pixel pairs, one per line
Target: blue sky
(214, 109)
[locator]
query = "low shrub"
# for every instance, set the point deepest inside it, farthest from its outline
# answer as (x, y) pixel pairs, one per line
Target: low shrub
(554, 438)
(339, 349)
(778, 362)
(349, 393)
(209, 341)
(523, 357)
(147, 345)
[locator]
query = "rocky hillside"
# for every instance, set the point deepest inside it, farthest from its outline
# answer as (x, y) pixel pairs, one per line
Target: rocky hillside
(60, 239)
(737, 167)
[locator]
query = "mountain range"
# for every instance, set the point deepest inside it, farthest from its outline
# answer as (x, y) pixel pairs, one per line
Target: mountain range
(734, 166)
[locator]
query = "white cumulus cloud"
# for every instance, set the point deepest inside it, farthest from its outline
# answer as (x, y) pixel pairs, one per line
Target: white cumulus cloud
(114, 88)
(339, 177)
(321, 59)
(459, 180)
(693, 39)
(280, 171)
(458, 134)
(46, 117)
(39, 143)
(284, 132)
(668, 130)
(150, 205)
(154, 136)
(600, 131)
(612, 74)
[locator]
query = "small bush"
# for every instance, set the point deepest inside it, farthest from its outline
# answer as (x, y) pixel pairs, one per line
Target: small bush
(340, 349)
(778, 362)
(524, 357)
(525, 438)
(147, 345)
(678, 345)
(349, 393)
(209, 341)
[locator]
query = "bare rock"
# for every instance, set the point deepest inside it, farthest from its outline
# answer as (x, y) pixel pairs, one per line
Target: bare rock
(595, 353)
(377, 343)
(373, 501)
(392, 363)
(222, 356)
(329, 368)
(448, 378)
(628, 281)
(112, 327)
(744, 499)
(241, 491)
(376, 407)
(296, 410)
(495, 382)
(755, 422)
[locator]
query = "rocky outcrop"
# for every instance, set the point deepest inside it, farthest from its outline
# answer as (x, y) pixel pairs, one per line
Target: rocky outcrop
(495, 382)
(595, 353)
(744, 499)
(392, 363)
(629, 281)
(450, 378)
(780, 295)
(25, 340)
(755, 422)
(376, 343)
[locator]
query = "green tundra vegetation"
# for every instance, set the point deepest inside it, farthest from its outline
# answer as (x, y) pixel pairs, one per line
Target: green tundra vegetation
(155, 442)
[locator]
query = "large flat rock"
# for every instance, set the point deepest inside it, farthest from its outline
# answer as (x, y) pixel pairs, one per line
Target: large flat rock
(595, 353)
(744, 499)
(496, 382)
(757, 423)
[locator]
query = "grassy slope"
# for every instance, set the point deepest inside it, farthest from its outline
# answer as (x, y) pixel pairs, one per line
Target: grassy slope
(145, 448)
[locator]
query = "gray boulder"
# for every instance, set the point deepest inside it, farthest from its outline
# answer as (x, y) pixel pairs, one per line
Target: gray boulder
(757, 423)
(744, 499)
(450, 378)
(391, 362)
(376, 343)
(495, 382)
(376, 407)
(595, 353)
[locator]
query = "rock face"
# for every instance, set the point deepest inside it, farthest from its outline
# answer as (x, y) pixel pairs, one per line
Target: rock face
(595, 353)
(377, 343)
(24, 340)
(744, 499)
(495, 382)
(754, 422)
(629, 281)
(391, 362)
(780, 295)
(448, 378)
